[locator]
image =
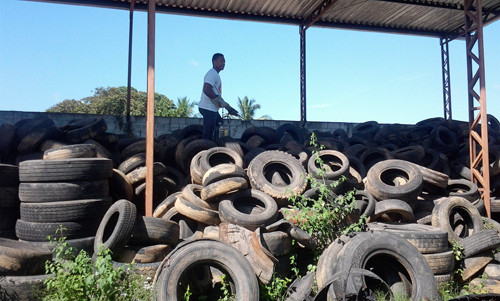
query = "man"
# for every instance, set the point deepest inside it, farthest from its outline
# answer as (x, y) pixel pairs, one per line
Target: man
(211, 99)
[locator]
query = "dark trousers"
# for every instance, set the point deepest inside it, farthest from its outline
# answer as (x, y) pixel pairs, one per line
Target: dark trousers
(211, 121)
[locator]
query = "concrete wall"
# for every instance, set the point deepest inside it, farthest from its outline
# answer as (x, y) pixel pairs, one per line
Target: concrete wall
(116, 124)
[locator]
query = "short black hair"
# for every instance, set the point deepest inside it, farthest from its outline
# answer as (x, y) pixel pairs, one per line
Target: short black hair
(217, 56)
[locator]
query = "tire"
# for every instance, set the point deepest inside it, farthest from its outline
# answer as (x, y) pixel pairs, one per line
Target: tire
(21, 258)
(191, 149)
(374, 155)
(132, 163)
(116, 226)
(481, 241)
(65, 211)
(296, 132)
(195, 171)
(432, 177)
(8, 217)
(120, 186)
(9, 196)
(236, 209)
(63, 191)
(426, 239)
(463, 188)
(138, 175)
(219, 155)
(144, 254)
(189, 229)
(335, 163)
(263, 165)
(152, 230)
(221, 172)
(9, 175)
(83, 129)
(166, 204)
(327, 260)
(220, 188)
(441, 263)
(71, 151)
(78, 244)
(382, 181)
(77, 169)
(268, 134)
(203, 215)
(411, 153)
(22, 288)
(392, 210)
(31, 231)
(387, 256)
(444, 212)
(364, 196)
(202, 252)
(191, 193)
(278, 243)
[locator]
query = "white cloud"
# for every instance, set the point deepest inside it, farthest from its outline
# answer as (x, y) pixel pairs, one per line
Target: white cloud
(193, 63)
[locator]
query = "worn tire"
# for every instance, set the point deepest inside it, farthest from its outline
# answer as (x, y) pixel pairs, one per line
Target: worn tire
(210, 252)
(152, 230)
(203, 215)
(484, 240)
(76, 169)
(31, 231)
(236, 209)
(223, 187)
(65, 211)
(62, 191)
(392, 210)
(335, 163)
(19, 258)
(71, 151)
(441, 263)
(221, 172)
(116, 226)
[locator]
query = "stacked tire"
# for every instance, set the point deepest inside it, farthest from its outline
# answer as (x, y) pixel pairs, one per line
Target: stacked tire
(9, 200)
(63, 197)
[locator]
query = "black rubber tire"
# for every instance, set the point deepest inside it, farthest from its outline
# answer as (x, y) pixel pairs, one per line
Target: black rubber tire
(65, 211)
(463, 188)
(264, 164)
(116, 226)
(221, 172)
(191, 149)
(103, 152)
(71, 151)
(152, 230)
(392, 210)
(144, 254)
(195, 172)
(374, 155)
(444, 213)
(387, 256)
(31, 231)
(211, 252)
(237, 209)
(77, 169)
(278, 243)
(365, 196)
(120, 186)
(191, 193)
(132, 163)
(9, 175)
(21, 258)
(138, 175)
(326, 262)
(433, 177)
(296, 132)
(166, 204)
(267, 133)
(411, 153)
(487, 239)
(335, 164)
(441, 263)
(234, 144)
(83, 129)
(78, 244)
(219, 155)
(218, 189)
(62, 191)
(426, 239)
(9, 196)
(188, 228)
(366, 129)
(22, 288)
(381, 181)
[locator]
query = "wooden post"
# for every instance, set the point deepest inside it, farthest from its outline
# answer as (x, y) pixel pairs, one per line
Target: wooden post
(150, 112)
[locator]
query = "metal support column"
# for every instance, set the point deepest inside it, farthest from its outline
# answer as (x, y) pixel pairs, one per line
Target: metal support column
(445, 63)
(129, 78)
(150, 110)
(478, 125)
(302, 31)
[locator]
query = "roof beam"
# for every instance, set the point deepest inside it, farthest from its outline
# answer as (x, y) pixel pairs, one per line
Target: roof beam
(317, 13)
(429, 3)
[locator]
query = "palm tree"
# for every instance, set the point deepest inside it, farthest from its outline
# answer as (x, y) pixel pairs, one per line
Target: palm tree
(184, 107)
(247, 108)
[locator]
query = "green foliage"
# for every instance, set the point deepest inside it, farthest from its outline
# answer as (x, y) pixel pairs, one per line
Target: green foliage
(227, 295)
(325, 218)
(184, 108)
(79, 277)
(113, 101)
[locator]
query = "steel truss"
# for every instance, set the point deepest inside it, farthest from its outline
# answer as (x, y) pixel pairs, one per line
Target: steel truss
(445, 64)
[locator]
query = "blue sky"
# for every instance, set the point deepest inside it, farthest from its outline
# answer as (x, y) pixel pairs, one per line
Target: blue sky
(52, 52)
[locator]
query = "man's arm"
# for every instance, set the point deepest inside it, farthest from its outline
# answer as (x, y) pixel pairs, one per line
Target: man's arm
(209, 91)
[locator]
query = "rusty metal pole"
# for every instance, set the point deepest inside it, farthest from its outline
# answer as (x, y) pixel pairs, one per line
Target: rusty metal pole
(302, 31)
(478, 119)
(129, 79)
(150, 112)
(445, 63)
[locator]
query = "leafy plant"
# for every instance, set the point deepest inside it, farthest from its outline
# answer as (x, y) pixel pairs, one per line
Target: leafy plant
(226, 290)
(79, 277)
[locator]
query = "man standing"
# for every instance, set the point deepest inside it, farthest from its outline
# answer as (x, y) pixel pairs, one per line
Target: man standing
(211, 99)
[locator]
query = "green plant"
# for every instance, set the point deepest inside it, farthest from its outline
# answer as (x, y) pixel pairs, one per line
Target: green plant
(326, 217)
(227, 295)
(79, 277)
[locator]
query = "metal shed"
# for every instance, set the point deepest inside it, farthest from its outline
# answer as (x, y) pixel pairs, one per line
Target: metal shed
(443, 19)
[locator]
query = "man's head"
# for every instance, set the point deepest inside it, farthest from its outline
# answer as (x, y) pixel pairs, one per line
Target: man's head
(218, 62)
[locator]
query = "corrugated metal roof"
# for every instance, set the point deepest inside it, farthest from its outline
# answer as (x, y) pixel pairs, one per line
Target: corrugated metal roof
(440, 18)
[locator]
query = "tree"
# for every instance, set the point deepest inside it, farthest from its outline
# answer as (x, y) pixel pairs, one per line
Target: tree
(247, 109)
(184, 107)
(113, 101)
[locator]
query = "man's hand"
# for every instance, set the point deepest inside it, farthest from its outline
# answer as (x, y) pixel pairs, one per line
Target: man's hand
(219, 102)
